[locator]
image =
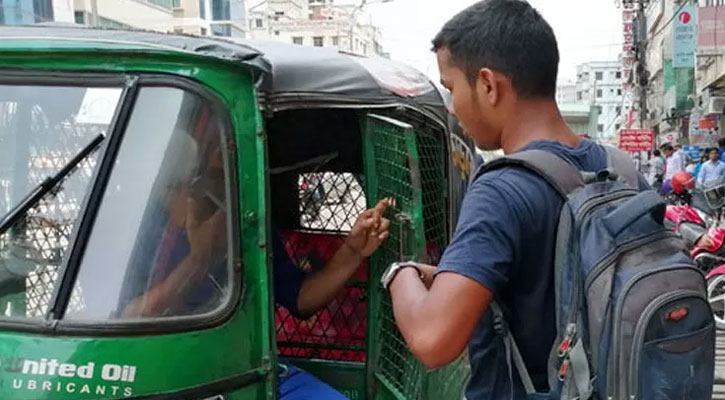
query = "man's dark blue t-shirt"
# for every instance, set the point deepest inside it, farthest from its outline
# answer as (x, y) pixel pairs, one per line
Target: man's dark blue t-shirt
(505, 241)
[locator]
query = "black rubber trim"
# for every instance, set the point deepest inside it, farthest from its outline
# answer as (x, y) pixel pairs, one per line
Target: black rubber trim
(219, 387)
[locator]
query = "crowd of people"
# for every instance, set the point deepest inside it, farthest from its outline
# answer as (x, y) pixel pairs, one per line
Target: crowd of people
(704, 171)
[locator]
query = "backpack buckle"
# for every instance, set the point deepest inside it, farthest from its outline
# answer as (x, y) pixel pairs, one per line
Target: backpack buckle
(566, 344)
(562, 370)
(500, 326)
(603, 175)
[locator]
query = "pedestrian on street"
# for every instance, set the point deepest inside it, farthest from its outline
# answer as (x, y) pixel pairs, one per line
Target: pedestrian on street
(673, 165)
(504, 242)
(713, 171)
(656, 169)
(721, 149)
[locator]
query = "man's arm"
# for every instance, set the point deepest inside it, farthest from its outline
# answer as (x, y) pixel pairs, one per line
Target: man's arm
(437, 323)
(203, 237)
(702, 176)
(369, 231)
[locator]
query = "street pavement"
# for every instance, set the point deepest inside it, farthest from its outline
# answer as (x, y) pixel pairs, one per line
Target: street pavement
(719, 392)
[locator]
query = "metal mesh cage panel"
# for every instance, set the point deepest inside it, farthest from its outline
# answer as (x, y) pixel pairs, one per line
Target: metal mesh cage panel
(408, 166)
(33, 249)
(329, 205)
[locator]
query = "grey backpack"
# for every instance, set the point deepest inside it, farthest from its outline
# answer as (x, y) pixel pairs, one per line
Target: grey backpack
(632, 317)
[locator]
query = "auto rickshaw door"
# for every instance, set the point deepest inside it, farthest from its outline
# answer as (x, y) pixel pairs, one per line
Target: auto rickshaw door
(406, 162)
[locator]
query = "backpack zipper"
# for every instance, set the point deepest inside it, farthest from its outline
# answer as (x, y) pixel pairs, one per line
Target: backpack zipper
(602, 265)
(598, 200)
(613, 359)
(587, 207)
(640, 330)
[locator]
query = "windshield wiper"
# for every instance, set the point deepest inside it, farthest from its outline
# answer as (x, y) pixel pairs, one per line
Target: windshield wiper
(47, 185)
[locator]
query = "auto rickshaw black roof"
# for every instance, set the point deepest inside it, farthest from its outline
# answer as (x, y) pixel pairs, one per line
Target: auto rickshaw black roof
(290, 76)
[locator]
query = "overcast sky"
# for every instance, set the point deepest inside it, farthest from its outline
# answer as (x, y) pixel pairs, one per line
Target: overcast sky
(587, 30)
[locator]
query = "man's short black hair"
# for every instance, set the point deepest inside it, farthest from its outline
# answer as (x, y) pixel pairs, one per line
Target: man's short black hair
(667, 146)
(508, 36)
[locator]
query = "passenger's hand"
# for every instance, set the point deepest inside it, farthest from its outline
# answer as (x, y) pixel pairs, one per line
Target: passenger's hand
(370, 230)
(204, 236)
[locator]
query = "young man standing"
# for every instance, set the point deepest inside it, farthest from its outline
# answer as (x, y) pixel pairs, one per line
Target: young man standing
(499, 59)
(713, 171)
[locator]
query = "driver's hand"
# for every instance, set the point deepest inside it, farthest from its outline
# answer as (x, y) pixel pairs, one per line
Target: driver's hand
(204, 236)
(370, 230)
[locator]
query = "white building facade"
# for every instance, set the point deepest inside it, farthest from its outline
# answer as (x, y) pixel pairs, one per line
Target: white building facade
(315, 23)
(566, 93)
(599, 83)
(197, 17)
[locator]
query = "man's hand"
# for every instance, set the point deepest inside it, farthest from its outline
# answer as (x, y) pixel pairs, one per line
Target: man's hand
(204, 236)
(370, 230)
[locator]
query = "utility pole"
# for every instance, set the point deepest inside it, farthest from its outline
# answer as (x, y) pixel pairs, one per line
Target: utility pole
(641, 82)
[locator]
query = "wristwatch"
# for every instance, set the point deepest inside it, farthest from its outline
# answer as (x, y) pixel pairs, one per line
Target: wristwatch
(393, 270)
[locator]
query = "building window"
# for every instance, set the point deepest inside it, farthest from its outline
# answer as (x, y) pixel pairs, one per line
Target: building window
(202, 9)
(166, 3)
(279, 13)
(618, 110)
(43, 10)
(220, 10)
(203, 31)
(600, 128)
(335, 40)
(579, 96)
(276, 33)
(598, 75)
(298, 40)
(599, 93)
(618, 75)
(617, 126)
(318, 41)
(619, 92)
(259, 23)
(80, 17)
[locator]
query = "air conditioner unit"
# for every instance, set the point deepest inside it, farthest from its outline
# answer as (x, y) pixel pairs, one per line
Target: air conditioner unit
(716, 105)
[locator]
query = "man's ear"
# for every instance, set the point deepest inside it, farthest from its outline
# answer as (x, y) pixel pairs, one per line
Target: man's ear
(487, 86)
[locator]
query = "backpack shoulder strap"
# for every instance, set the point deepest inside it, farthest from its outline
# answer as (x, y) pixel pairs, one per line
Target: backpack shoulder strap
(622, 164)
(564, 177)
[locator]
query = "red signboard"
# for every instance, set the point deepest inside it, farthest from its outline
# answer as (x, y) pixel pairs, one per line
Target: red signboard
(711, 29)
(636, 139)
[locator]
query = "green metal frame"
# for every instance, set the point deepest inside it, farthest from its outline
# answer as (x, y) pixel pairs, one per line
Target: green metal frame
(164, 363)
(399, 161)
(396, 167)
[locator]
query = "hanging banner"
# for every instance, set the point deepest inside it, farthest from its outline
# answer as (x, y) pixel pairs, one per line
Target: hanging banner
(685, 37)
(636, 139)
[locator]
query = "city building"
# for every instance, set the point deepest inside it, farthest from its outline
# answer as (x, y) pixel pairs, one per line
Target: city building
(581, 118)
(599, 84)
(678, 73)
(199, 17)
(23, 12)
(566, 93)
(316, 23)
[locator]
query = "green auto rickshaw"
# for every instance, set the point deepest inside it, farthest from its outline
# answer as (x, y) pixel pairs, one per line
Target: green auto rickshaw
(105, 135)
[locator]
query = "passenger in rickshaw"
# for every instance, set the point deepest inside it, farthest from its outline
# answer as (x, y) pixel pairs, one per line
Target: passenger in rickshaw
(185, 265)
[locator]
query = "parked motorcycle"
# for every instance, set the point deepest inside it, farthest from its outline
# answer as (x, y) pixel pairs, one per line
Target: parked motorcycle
(704, 235)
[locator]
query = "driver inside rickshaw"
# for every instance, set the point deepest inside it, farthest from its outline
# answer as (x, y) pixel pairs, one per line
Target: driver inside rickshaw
(192, 265)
